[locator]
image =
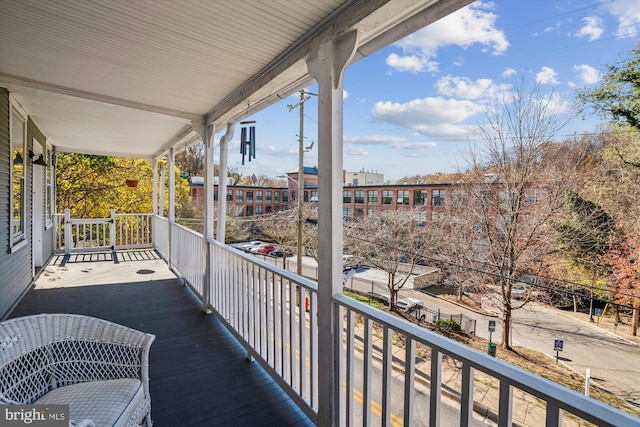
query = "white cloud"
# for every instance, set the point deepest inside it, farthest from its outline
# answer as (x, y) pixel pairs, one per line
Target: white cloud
(411, 63)
(587, 74)
(428, 116)
(345, 94)
(374, 140)
(627, 13)
(547, 76)
(465, 88)
(508, 72)
(592, 29)
(355, 151)
(471, 25)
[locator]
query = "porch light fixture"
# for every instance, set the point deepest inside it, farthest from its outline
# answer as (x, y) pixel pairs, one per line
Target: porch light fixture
(248, 141)
(40, 161)
(18, 160)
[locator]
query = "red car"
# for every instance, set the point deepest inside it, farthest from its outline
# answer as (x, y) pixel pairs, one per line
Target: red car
(265, 249)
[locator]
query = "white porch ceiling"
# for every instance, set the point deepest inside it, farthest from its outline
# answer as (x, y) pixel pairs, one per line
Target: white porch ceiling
(127, 77)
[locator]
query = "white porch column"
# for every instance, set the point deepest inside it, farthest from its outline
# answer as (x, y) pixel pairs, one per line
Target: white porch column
(155, 186)
(327, 68)
(206, 134)
(172, 184)
(162, 190)
(222, 183)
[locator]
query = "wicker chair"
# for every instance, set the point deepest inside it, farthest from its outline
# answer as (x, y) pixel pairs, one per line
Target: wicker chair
(100, 369)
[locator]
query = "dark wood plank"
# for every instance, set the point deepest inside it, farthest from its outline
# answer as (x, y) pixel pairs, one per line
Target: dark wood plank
(199, 374)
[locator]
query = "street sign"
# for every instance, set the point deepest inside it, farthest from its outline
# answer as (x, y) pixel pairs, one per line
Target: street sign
(598, 312)
(557, 345)
(492, 325)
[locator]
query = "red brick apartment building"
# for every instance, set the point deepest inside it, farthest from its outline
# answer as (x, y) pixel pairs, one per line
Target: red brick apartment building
(358, 200)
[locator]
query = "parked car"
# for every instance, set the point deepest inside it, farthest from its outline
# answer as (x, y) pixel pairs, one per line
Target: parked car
(279, 253)
(251, 245)
(350, 261)
(413, 306)
(264, 248)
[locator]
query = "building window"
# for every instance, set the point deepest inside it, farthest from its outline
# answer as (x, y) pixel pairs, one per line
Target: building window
(372, 213)
(346, 196)
(229, 195)
(276, 196)
(387, 197)
(268, 196)
(18, 170)
(249, 196)
(215, 195)
(358, 213)
(403, 197)
(259, 210)
(359, 197)
(346, 214)
(437, 197)
(306, 196)
(285, 196)
(372, 197)
(460, 198)
(293, 196)
(249, 210)
(419, 197)
(420, 218)
(238, 195)
(268, 209)
(258, 196)
(314, 197)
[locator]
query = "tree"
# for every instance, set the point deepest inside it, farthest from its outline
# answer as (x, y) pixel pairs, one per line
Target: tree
(623, 262)
(281, 229)
(617, 97)
(394, 243)
(92, 185)
(513, 187)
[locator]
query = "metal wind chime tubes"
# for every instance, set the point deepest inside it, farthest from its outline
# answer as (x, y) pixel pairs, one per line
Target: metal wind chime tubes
(248, 142)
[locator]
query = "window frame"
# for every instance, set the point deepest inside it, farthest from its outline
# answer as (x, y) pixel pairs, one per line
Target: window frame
(372, 200)
(387, 197)
(17, 240)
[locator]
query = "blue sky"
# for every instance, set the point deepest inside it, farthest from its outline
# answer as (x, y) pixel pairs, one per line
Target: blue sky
(413, 108)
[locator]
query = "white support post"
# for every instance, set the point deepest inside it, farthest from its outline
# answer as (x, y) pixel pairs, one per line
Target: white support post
(327, 68)
(162, 190)
(206, 134)
(222, 183)
(155, 187)
(68, 231)
(112, 230)
(171, 214)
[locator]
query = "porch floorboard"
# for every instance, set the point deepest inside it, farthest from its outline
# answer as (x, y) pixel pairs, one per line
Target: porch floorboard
(199, 373)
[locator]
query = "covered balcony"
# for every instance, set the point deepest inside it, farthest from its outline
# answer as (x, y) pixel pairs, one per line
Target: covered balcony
(143, 80)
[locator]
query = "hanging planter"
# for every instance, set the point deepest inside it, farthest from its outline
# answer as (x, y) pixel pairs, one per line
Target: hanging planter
(131, 183)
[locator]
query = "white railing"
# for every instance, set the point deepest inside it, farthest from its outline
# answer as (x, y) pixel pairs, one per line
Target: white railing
(120, 231)
(261, 305)
(187, 255)
(161, 235)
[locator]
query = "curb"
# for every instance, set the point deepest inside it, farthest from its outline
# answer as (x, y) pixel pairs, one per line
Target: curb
(482, 313)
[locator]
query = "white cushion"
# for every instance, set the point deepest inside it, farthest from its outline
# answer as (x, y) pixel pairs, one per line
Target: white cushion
(106, 403)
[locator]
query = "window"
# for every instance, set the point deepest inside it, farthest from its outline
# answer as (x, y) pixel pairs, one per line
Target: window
(372, 213)
(387, 197)
(258, 196)
(276, 196)
(268, 196)
(215, 195)
(419, 197)
(18, 172)
(314, 196)
(259, 210)
(346, 214)
(268, 209)
(359, 197)
(293, 196)
(285, 196)
(420, 218)
(358, 213)
(403, 197)
(249, 211)
(372, 197)
(229, 195)
(249, 196)
(437, 197)
(238, 195)
(460, 198)
(346, 196)
(306, 196)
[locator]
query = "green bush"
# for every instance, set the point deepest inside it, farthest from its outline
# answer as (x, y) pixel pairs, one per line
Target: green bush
(448, 325)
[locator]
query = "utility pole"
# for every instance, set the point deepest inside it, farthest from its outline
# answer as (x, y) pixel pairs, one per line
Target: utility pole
(304, 97)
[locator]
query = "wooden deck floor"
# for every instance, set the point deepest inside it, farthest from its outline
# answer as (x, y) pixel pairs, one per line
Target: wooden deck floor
(199, 373)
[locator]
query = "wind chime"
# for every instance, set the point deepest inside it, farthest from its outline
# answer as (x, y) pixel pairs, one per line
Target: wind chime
(248, 142)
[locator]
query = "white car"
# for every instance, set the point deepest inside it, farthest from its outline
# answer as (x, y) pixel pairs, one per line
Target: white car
(251, 245)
